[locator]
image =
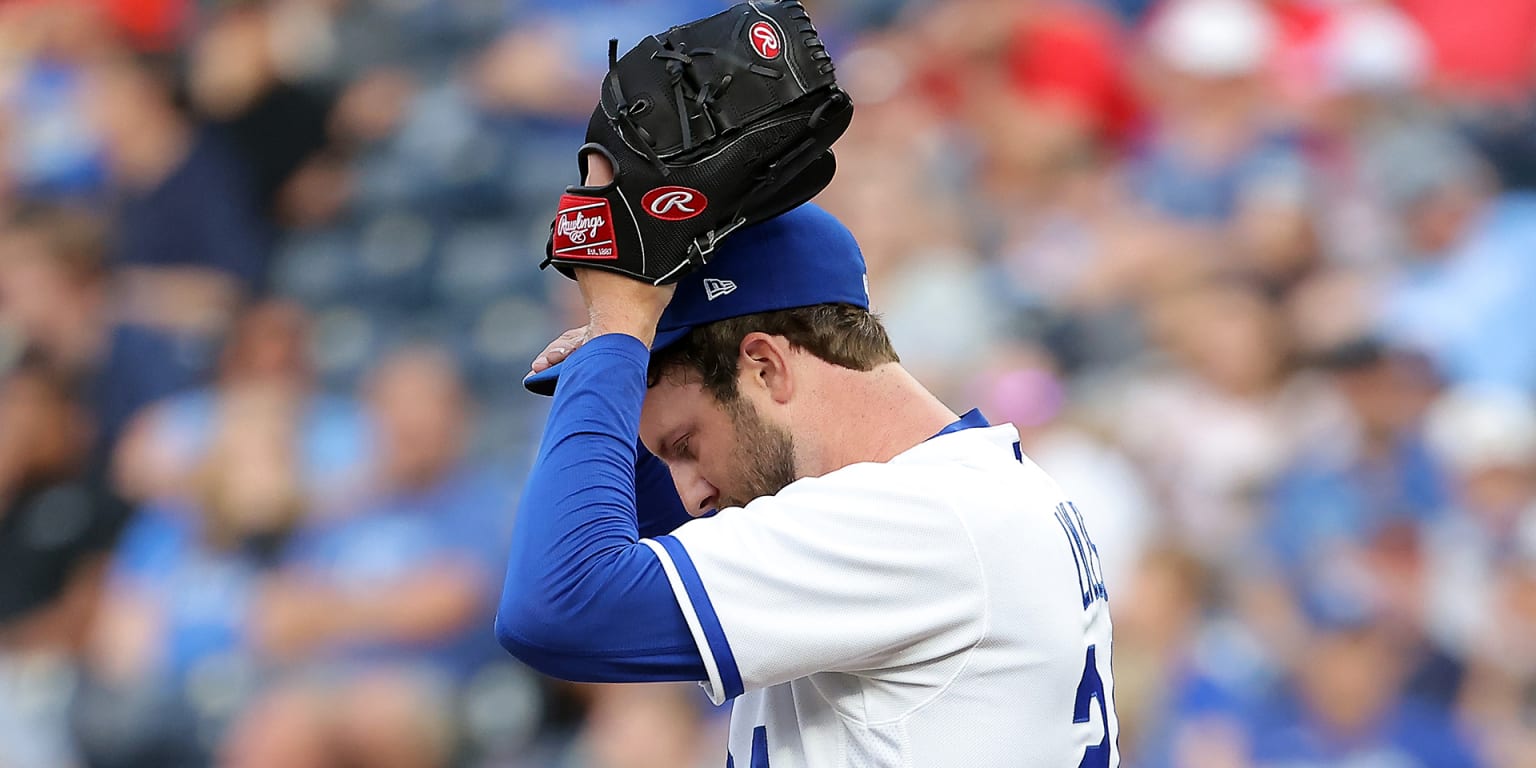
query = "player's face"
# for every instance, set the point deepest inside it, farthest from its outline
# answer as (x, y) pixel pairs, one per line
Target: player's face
(720, 454)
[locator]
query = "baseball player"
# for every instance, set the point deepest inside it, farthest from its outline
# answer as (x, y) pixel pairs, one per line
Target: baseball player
(739, 484)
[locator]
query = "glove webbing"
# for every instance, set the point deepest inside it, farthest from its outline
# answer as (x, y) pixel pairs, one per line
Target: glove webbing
(812, 40)
(685, 84)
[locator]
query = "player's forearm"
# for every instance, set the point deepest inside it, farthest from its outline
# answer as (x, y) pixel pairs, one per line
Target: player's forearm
(583, 599)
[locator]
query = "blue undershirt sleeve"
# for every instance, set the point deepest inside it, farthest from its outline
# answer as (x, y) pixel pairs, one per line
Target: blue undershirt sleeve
(583, 599)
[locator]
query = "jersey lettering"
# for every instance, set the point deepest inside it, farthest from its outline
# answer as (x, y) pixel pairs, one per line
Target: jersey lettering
(1090, 574)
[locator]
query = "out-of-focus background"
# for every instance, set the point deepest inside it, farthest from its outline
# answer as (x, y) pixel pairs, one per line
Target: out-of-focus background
(1256, 280)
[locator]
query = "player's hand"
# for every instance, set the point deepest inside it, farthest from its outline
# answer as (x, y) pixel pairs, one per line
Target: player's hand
(559, 349)
(619, 304)
(616, 303)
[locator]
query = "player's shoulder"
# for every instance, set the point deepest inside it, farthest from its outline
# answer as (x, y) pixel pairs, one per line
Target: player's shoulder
(979, 464)
(940, 511)
(967, 472)
(969, 453)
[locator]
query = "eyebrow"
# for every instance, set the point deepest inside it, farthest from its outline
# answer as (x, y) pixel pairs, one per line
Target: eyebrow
(663, 448)
(668, 439)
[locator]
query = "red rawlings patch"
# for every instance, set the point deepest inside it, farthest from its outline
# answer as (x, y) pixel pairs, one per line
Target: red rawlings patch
(584, 229)
(765, 40)
(674, 203)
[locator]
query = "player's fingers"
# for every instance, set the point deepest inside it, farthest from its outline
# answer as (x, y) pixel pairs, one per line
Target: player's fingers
(560, 348)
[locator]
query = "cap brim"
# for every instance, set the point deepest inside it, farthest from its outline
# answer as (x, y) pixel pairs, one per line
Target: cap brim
(543, 382)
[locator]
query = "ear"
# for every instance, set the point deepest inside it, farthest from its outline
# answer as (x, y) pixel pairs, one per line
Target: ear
(764, 363)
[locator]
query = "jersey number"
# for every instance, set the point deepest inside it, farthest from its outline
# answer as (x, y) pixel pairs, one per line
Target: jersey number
(1090, 691)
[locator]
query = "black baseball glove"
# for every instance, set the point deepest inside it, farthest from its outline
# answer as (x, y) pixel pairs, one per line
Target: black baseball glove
(710, 126)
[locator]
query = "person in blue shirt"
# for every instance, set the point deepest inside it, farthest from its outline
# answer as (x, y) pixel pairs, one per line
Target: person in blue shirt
(268, 346)
(1341, 493)
(174, 655)
(378, 616)
(1463, 298)
(1197, 667)
(1343, 705)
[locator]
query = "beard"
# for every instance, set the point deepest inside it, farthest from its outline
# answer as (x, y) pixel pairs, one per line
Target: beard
(764, 456)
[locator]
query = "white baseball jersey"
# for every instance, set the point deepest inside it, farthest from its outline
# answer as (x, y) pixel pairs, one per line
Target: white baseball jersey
(945, 609)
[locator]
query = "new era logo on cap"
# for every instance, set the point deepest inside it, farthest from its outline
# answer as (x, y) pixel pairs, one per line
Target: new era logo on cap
(714, 288)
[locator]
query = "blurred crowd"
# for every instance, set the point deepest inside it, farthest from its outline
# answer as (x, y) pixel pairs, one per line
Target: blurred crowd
(1256, 280)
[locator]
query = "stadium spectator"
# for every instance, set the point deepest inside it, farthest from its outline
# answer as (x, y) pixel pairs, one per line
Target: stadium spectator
(657, 726)
(52, 151)
(1337, 496)
(269, 346)
(379, 613)
(1341, 703)
(56, 529)
(188, 244)
(263, 74)
(1463, 297)
(1502, 676)
(175, 656)
(1187, 671)
(233, 79)
(54, 288)
(1372, 63)
(1063, 61)
(1227, 413)
(1213, 145)
(1487, 439)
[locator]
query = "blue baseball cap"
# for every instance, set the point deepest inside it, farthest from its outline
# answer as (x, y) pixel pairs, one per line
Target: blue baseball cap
(799, 259)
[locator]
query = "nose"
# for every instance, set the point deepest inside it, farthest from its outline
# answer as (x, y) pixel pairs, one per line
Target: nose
(698, 495)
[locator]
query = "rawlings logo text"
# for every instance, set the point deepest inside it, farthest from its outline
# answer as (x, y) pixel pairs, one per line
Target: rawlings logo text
(580, 227)
(583, 229)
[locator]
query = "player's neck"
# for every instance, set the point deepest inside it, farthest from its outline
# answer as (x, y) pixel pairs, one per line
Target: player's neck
(874, 416)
